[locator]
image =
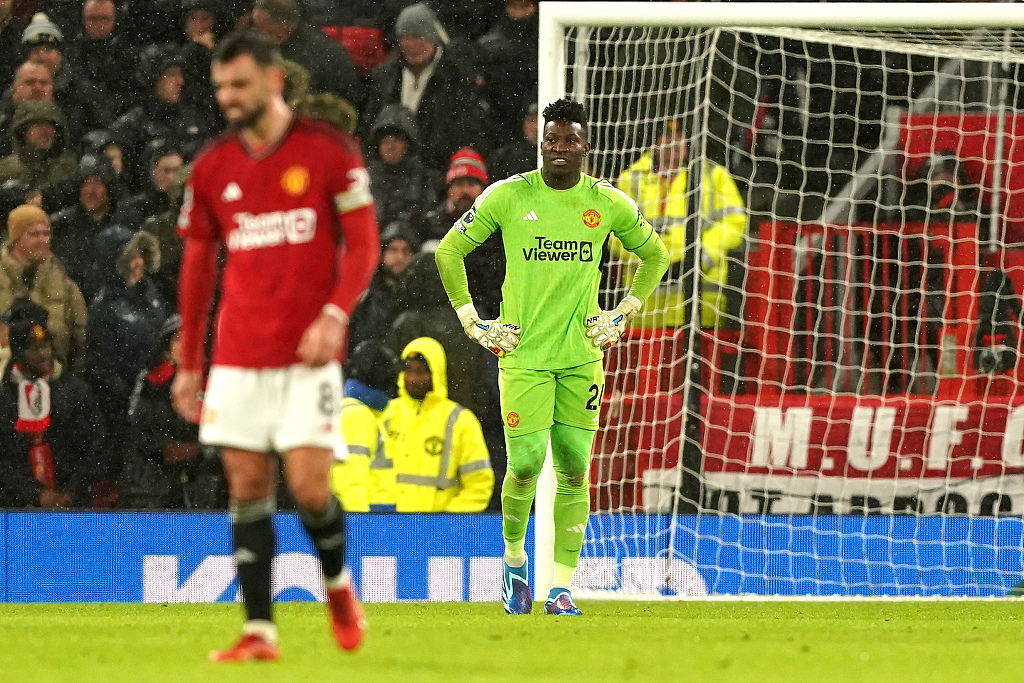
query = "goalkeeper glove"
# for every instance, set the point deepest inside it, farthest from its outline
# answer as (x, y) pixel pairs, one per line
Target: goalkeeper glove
(605, 328)
(497, 337)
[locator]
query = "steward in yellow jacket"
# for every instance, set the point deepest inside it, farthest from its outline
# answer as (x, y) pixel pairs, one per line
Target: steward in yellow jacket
(441, 460)
(657, 183)
(365, 481)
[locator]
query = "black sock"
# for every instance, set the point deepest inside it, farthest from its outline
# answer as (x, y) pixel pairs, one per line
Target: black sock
(327, 531)
(253, 534)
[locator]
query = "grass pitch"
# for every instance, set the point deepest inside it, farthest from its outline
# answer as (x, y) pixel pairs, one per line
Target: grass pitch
(613, 641)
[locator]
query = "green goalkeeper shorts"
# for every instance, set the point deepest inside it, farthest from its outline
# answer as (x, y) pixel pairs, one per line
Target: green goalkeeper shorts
(531, 400)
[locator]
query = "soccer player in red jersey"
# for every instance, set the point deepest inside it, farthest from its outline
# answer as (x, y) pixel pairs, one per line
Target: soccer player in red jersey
(288, 200)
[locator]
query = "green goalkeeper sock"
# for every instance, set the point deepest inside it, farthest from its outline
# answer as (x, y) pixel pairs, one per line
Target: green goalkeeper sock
(525, 459)
(570, 449)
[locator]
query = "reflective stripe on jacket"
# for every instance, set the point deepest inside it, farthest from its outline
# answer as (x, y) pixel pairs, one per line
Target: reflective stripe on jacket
(663, 202)
(367, 477)
(440, 458)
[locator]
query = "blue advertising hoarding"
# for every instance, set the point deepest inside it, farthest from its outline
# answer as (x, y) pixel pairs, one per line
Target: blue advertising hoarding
(176, 557)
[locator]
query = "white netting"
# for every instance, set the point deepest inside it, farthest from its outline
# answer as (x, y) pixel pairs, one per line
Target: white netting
(846, 418)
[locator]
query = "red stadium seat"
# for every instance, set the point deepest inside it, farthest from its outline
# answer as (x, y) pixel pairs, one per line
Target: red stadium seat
(365, 44)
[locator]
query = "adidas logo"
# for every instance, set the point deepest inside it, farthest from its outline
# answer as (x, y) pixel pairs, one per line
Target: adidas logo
(532, 216)
(232, 193)
(579, 528)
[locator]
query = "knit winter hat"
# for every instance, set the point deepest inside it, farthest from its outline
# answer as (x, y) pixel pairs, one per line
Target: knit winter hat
(466, 163)
(22, 218)
(41, 30)
(420, 21)
(27, 322)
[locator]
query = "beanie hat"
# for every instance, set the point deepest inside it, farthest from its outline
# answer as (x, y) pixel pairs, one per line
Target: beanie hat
(466, 163)
(155, 60)
(420, 21)
(41, 30)
(22, 218)
(400, 230)
(375, 365)
(26, 322)
(96, 164)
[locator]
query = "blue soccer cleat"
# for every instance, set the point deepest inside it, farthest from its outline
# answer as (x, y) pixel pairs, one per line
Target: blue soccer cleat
(516, 597)
(560, 603)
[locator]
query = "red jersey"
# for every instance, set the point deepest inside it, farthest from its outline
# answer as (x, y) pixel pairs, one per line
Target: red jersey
(280, 215)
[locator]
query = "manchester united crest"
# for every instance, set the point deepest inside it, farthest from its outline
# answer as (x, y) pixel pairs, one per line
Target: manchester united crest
(591, 218)
(295, 181)
(512, 419)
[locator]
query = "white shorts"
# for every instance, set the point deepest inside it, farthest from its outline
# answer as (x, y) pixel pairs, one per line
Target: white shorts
(273, 409)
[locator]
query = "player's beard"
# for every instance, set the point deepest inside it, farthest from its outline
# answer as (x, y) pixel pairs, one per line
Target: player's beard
(250, 118)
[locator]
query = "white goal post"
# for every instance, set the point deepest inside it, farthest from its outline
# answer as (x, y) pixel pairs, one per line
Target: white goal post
(854, 426)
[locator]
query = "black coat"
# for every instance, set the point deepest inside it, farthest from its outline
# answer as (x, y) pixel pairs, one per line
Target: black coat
(450, 115)
(430, 314)
(76, 437)
(123, 327)
(179, 124)
(110, 66)
(376, 311)
(73, 242)
(402, 191)
(485, 265)
(508, 54)
(10, 52)
(519, 156)
(149, 481)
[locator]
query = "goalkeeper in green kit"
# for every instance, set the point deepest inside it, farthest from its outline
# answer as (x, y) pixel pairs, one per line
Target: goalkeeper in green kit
(551, 335)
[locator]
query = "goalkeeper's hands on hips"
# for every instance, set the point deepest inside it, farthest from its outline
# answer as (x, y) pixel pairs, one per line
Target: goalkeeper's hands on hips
(497, 337)
(605, 328)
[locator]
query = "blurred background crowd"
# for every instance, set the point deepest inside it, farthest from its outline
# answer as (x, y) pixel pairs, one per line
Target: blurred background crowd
(104, 105)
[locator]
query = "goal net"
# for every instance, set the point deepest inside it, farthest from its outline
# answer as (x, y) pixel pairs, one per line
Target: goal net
(823, 397)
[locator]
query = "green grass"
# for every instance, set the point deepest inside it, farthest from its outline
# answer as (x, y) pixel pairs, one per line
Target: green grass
(613, 641)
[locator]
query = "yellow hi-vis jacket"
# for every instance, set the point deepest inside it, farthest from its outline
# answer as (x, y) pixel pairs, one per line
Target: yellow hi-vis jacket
(367, 477)
(437, 446)
(662, 200)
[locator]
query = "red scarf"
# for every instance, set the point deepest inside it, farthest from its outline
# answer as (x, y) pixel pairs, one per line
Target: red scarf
(34, 419)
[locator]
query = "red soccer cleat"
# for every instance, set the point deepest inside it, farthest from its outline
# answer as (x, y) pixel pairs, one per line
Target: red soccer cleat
(249, 647)
(347, 622)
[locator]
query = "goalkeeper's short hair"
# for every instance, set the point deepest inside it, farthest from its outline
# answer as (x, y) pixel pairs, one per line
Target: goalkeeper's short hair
(566, 110)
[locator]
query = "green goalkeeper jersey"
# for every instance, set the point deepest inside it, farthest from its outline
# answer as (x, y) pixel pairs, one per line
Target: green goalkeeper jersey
(553, 241)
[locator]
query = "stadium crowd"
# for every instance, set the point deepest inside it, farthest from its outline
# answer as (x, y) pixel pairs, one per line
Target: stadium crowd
(104, 106)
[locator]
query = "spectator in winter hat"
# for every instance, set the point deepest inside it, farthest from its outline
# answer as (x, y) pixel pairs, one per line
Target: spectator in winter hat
(162, 113)
(403, 187)
(467, 178)
(77, 96)
(163, 162)
(32, 82)
(431, 82)
(51, 441)
(28, 270)
(76, 227)
(379, 307)
(40, 142)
